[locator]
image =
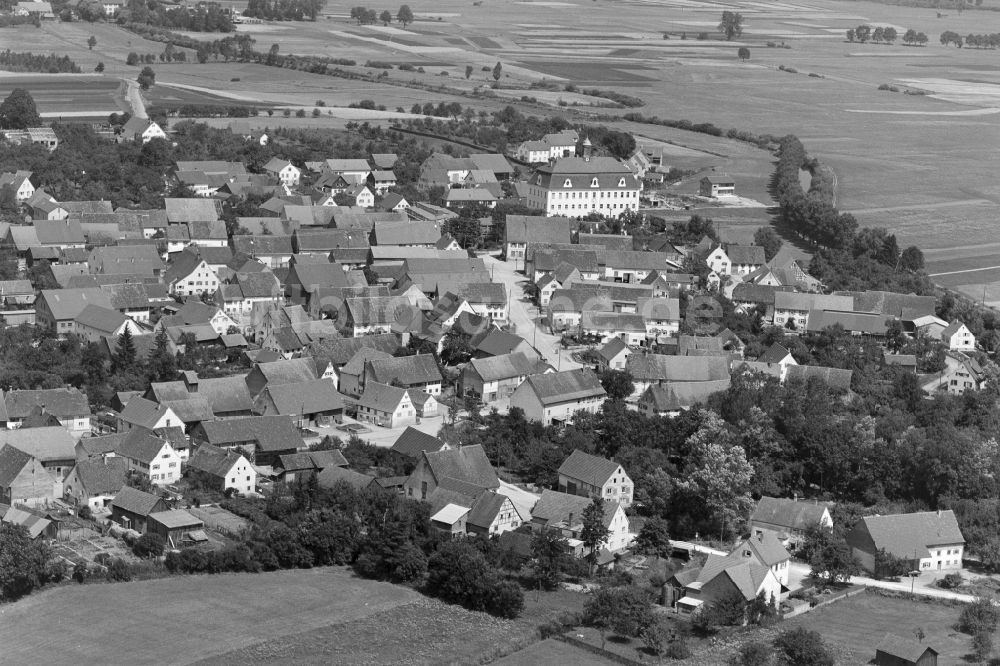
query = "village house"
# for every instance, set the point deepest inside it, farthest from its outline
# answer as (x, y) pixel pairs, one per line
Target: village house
(69, 405)
(146, 414)
(131, 508)
(419, 371)
(142, 130)
(564, 512)
(376, 315)
(496, 377)
(24, 480)
(735, 259)
(393, 407)
(788, 519)
(261, 439)
(671, 399)
(717, 185)
(613, 355)
(549, 147)
(895, 650)
(765, 549)
(466, 465)
(287, 173)
(310, 403)
(58, 308)
(604, 326)
(238, 297)
(95, 482)
(176, 526)
(690, 590)
(791, 309)
(53, 446)
(471, 512)
(650, 369)
(958, 337)
(926, 540)
(960, 374)
(223, 469)
(19, 182)
(190, 275)
(412, 442)
(556, 397)
(519, 230)
(593, 476)
(151, 456)
(294, 467)
(94, 323)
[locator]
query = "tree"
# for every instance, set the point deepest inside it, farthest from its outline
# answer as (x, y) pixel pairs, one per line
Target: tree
(910, 36)
(594, 532)
(754, 654)
(91, 42)
(385, 17)
(468, 71)
(850, 34)
(863, 33)
(878, 34)
(22, 562)
(979, 616)
(132, 59)
(458, 573)
(911, 259)
(889, 34)
(654, 538)
(162, 366)
(769, 239)
(624, 610)
(743, 53)
(982, 645)
(124, 357)
(99, 68)
(497, 69)
(731, 24)
(455, 349)
(146, 78)
(802, 647)
(551, 557)
(828, 555)
(617, 383)
(149, 544)
(18, 111)
(404, 15)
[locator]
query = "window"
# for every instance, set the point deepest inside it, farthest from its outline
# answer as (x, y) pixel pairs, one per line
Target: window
(158, 467)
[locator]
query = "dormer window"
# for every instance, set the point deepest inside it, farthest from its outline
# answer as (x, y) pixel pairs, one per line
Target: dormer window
(621, 183)
(594, 183)
(568, 183)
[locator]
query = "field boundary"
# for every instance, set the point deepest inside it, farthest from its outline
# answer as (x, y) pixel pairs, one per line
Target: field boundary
(593, 649)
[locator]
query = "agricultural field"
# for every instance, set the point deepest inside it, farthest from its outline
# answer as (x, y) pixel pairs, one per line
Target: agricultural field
(853, 627)
(915, 163)
(68, 96)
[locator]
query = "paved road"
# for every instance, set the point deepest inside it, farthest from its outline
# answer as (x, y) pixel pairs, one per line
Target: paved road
(526, 318)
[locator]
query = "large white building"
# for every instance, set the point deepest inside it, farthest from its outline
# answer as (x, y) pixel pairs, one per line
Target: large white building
(579, 186)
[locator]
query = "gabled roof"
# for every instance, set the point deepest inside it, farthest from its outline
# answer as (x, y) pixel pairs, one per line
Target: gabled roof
(554, 507)
(746, 575)
(497, 343)
(752, 255)
(613, 347)
(128, 296)
(47, 444)
(537, 229)
(142, 412)
(381, 397)
(909, 535)
(105, 320)
(176, 519)
(412, 442)
(136, 501)
(904, 648)
(834, 377)
(766, 547)
(340, 351)
(66, 304)
(311, 397)
(774, 354)
(32, 522)
(272, 433)
(378, 310)
(408, 370)
(180, 211)
(675, 396)
(356, 365)
(59, 232)
(612, 321)
(292, 371)
(102, 476)
(214, 461)
(790, 514)
(654, 367)
(331, 476)
(311, 460)
(467, 463)
(12, 461)
(486, 507)
(62, 403)
(565, 386)
(952, 328)
(141, 444)
(593, 470)
(506, 366)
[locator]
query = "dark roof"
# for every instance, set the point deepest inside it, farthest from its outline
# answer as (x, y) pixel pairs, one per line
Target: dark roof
(565, 386)
(909, 535)
(381, 397)
(311, 460)
(331, 476)
(311, 397)
(408, 370)
(766, 547)
(340, 351)
(62, 403)
(102, 476)
(555, 507)
(412, 442)
(213, 460)
(136, 501)
(904, 648)
(674, 396)
(593, 470)
(774, 354)
(834, 377)
(506, 366)
(745, 254)
(467, 463)
(653, 367)
(272, 433)
(47, 444)
(485, 509)
(497, 343)
(141, 444)
(290, 371)
(12, 461)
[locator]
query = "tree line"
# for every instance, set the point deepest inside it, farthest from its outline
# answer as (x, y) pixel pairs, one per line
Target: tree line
(363, 15)
(30, 62)
(207, 17)
(879, 35)
(284, 10)
(981, 41)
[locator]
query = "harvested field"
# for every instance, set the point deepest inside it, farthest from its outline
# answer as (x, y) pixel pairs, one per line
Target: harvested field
(69, 93)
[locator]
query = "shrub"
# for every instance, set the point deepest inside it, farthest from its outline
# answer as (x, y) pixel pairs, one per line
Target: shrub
(655, 637)
(119, 571)
(85, 513)
(80, 572)
(320, 102)
(951, 581)
(754, 654)
(702, 36)
(981, 615)
(982, 645)
(678, 649)
(149, 545)
(803, 647)
(301, 113)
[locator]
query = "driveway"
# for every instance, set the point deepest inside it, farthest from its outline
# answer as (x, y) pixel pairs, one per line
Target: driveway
(922, 584)
(525, 318)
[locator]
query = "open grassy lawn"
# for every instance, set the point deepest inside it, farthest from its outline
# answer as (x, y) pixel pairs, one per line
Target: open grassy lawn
(853, 627)
(551, 651)
(183, 619)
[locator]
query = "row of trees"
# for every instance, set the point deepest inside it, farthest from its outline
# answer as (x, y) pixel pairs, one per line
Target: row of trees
(284, 10)
(207, 17)
(30, 62)
(865, 32)
(364, 15)
(983, 41)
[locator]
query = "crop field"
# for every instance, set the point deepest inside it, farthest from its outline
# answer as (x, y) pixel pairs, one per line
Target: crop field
(233, 611)
(67, 95)
(855, 626)
(918, 164)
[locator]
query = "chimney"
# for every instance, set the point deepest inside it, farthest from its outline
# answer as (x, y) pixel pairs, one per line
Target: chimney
(569, 520)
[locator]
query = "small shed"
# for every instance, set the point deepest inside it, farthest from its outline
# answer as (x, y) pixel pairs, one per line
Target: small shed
(898, 651)
(173, 525)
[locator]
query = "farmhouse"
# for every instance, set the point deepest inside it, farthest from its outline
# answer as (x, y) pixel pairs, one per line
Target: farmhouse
(131, 508)
(224, 469)
(465, 465)
(592, 476)
(926, 540)
(141, 130)
(412, 442)
(721, 576)
(174, 525)
(788, 519)
(24, 480)
(564, 512)
(287, 173)
(151, 456)
(95, 482)
(261, 439)
(496, 377)
(386, 406)
(555, 397)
